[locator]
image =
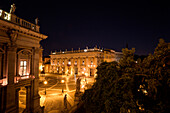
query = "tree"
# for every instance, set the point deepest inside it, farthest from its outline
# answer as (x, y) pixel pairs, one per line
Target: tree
(113, 89)
(133, 87)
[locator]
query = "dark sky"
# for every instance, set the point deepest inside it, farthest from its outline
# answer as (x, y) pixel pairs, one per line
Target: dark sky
(106, 24)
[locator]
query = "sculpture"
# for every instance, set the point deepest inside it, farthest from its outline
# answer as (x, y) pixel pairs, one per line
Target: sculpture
(13, 35)
(36, 21)
(78, 86)
(13, 8)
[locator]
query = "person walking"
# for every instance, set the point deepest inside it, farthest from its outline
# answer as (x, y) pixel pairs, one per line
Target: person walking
(65, 101)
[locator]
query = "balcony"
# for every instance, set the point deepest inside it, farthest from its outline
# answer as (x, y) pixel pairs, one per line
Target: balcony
(19, 81)
(16, 20)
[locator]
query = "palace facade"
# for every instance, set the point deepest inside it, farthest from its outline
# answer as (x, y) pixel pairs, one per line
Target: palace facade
(19, 62)
(81, 62)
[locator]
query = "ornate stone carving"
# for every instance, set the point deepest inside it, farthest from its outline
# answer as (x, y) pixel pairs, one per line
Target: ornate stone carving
(13, 35)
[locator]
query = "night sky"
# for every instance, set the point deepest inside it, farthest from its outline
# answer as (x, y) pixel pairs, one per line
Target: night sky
(112, 25)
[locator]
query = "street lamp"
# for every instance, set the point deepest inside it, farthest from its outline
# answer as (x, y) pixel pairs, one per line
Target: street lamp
(62, 81)
(45, 83)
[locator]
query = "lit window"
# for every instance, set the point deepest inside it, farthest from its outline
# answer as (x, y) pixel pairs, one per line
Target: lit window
(75, 62)
(23, 68)
(7, 16)
(83, 62)
(58, 63)
(69, 62)
(91, 62)
(63, 62)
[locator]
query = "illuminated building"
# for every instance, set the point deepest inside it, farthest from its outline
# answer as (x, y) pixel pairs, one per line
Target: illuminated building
(47, 64)
(81, 62)
(19, 62)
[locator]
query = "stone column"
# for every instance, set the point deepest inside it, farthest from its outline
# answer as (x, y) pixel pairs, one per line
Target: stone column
(1, 62)
(72, 67)
(11, 54)
(95, 63)
(35, 98)
(17, 99)
(65, 66)
(78, 65)
(10, 102)
(87, 63)
(28, 98)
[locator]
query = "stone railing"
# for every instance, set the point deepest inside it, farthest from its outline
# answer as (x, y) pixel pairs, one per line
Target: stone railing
(17, 79)
(19, 21)
(77, 51)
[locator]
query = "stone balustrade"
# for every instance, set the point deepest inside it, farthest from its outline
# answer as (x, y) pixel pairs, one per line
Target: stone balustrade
(19, 21)
(17, 79)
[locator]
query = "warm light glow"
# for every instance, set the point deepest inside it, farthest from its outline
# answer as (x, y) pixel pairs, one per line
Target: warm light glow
(86, 74)
(69, 62)
(45, 82)
(62, 81)
(41, 68)
(7, 16)
(83, 72)
(82, 86)
(0, 12)
(85, 50)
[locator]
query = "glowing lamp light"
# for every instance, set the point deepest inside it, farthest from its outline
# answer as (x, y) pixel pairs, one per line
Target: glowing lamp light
(83, 72)
(86, 74)
(0, 12)
(82, 86)
(62, 81)
(45, 82)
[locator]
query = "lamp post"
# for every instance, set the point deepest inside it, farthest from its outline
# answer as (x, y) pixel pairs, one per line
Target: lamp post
(45, 83)
(62, 81)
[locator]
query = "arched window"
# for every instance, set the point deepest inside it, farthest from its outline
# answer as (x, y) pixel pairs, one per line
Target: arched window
(24, 62)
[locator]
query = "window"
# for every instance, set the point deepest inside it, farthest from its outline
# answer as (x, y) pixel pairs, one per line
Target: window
(91, 62)
(83, 63)
(75, 63)
(63, 62)
(23, 68)
(69, 62)
(58, 63)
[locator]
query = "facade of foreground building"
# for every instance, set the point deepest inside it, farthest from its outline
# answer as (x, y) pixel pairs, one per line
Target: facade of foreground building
(19, 62)
(81, 62)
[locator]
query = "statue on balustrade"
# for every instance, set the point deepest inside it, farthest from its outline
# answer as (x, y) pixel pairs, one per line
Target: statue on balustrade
(13, 8)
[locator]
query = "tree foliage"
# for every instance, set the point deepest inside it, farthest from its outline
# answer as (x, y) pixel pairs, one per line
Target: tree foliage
(132, 87)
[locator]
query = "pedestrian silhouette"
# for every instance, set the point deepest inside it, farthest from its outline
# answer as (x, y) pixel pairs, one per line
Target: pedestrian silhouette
(62, 90)
(65, 101)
